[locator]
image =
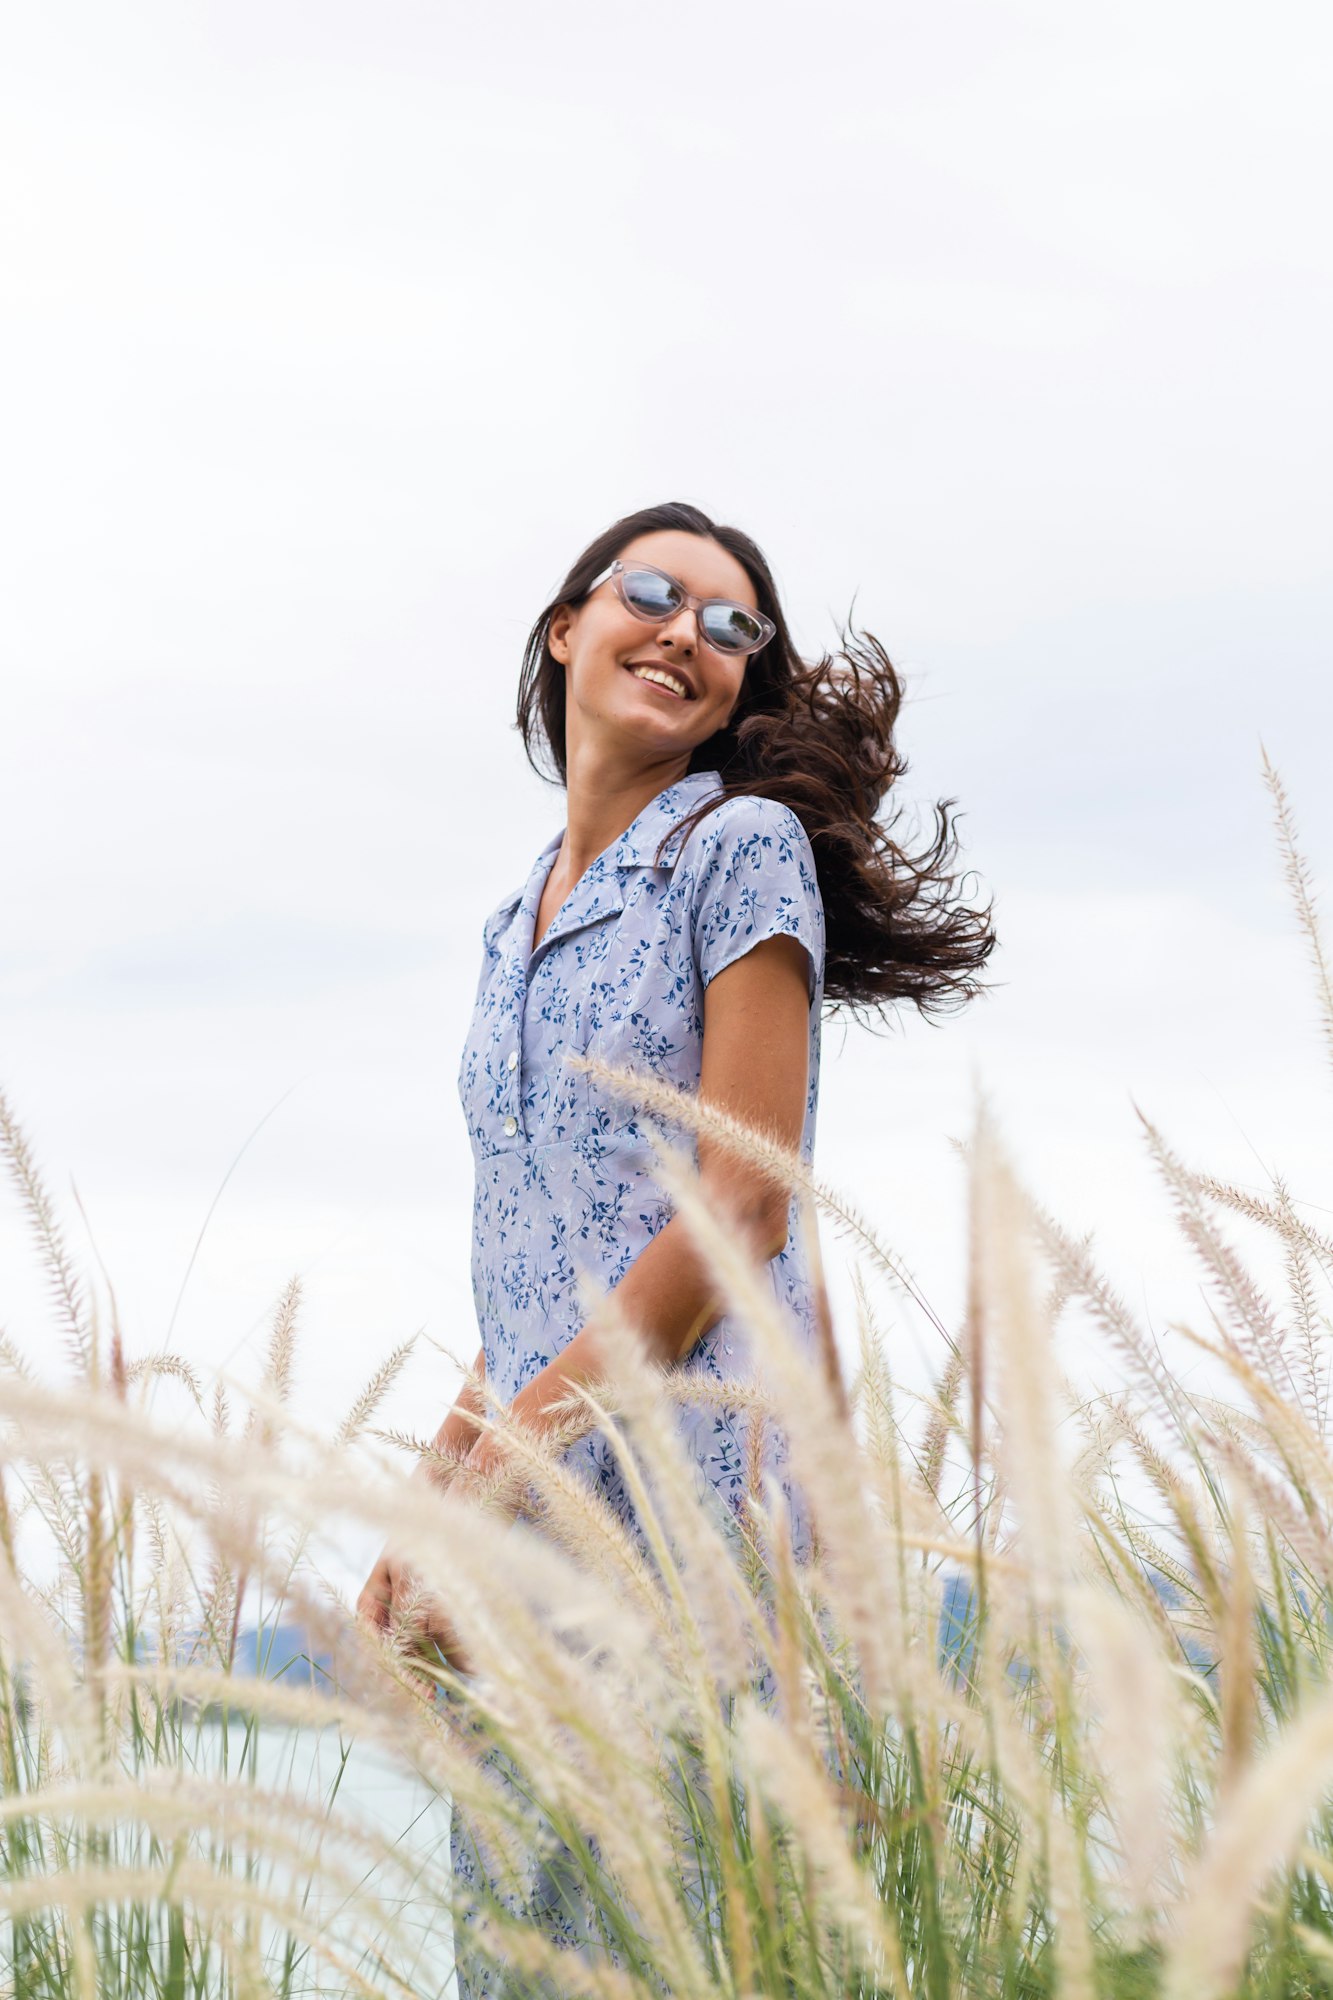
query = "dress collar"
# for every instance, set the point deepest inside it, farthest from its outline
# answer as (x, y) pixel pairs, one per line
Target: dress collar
(600, 890)
(637, 845)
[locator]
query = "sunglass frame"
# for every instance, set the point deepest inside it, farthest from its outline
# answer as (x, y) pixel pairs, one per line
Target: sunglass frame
(616, 572)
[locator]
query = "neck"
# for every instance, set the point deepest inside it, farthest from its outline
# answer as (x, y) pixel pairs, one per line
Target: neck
(603, 796)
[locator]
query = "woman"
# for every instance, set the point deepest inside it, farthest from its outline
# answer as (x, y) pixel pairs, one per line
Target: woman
(720, 874)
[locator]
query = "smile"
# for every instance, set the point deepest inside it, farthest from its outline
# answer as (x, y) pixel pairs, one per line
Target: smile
(663, 679)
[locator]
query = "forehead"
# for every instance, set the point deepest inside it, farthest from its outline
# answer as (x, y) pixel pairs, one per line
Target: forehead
(704, 567)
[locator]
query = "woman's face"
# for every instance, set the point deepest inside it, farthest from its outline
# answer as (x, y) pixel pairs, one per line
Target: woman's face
(601, 644)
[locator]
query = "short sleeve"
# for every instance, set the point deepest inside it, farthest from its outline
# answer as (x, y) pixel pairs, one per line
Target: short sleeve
(755, 879)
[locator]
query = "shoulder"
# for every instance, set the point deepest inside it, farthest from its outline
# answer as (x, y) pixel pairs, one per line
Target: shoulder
(751, 876)
(749, 828)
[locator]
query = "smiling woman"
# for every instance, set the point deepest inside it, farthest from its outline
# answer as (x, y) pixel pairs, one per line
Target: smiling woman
(720, 873)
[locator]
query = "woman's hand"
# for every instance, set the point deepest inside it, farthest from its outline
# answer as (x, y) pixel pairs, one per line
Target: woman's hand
(483, 1465)
(392, 1592)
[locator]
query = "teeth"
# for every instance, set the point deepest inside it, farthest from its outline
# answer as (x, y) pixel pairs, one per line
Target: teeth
(665, 679)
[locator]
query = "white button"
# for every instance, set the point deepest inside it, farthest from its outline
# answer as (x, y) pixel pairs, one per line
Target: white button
(511, 1126)
(513, 1059)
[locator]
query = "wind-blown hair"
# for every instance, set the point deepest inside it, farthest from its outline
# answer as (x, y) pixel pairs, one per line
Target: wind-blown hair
(819, 739)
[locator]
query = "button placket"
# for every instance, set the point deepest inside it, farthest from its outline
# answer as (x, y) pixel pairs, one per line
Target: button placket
(511, 1065)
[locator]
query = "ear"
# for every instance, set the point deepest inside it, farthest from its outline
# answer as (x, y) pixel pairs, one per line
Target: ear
(557, 634)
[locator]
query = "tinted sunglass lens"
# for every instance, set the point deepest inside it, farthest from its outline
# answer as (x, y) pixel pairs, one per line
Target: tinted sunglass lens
(731, 628)
(652, 596)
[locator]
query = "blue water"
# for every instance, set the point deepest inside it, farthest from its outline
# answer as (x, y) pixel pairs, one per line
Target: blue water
(359, 1787)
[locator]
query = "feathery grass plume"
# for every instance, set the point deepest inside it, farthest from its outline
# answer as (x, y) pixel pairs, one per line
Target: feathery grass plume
(943, 1420)
(277, 1378)
(685, 1538)
(223, 1600)
(1304, 1242)
(1191, 1566)
(1119, 1553)
(750, 1515)
(455, 1787)
(578, 1713)
(1061, 1290)
(1301, 884)
(1240, 1201)
(1312, 1328)
(575, 1518)
(546, 1603)
(1007, 1330)
(848, 1904)
(975, 1365)
(1043, 1855)
(783, 1165)
(376, 1389)
(1278, 1216)
(30, 1634)
(808, 1230)
(1024, 1366)
(548, 1612)
(172, 1366)
(1257, 1832)
(63, 1280)
(1121, 1560)
(14, 1359)
(1135, 1703)
(203, 1469)
(97, 1579)
(276, 1388)
(723, 1634)
(166, 1589)
(1073, 1262)
(513, 1947)
(860, 1567)
(885, 1437)
(1299, 1448)
(1302, 1526)
(1252, 1323)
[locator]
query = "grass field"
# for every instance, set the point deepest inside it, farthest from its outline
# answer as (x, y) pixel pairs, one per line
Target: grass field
(1048, 1712)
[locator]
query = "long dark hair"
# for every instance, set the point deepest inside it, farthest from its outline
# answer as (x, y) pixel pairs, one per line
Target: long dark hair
(818, 738)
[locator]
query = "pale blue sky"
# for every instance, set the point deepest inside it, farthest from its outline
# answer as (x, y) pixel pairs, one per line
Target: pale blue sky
(330, 334)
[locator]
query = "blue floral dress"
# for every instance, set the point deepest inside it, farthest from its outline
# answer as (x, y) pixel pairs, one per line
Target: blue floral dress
(564, 1178)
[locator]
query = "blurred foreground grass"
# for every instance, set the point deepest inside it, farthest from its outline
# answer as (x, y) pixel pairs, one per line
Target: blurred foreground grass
(1048, 1712)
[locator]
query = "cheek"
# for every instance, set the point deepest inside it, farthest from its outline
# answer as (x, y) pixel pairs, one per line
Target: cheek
(733, 691)
(603, 638)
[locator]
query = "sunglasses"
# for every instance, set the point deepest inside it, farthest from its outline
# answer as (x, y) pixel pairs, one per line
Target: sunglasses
(654, 596)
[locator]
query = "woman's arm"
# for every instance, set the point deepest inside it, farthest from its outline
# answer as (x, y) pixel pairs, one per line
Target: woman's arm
(755, 1065)
(456, 1436)
(458, 1433)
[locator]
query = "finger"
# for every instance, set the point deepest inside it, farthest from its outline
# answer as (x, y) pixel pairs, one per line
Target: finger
(373, 1608)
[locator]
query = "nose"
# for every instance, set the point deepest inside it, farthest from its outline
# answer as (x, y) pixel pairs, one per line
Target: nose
(681, 633)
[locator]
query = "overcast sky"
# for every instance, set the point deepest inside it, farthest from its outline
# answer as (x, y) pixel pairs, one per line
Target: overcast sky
(330, 334)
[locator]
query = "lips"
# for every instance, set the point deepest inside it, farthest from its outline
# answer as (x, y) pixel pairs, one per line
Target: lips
(667, 667)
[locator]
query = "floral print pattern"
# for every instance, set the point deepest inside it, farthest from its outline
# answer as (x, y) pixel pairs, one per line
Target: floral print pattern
(563, 1168)
(564, 1185)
